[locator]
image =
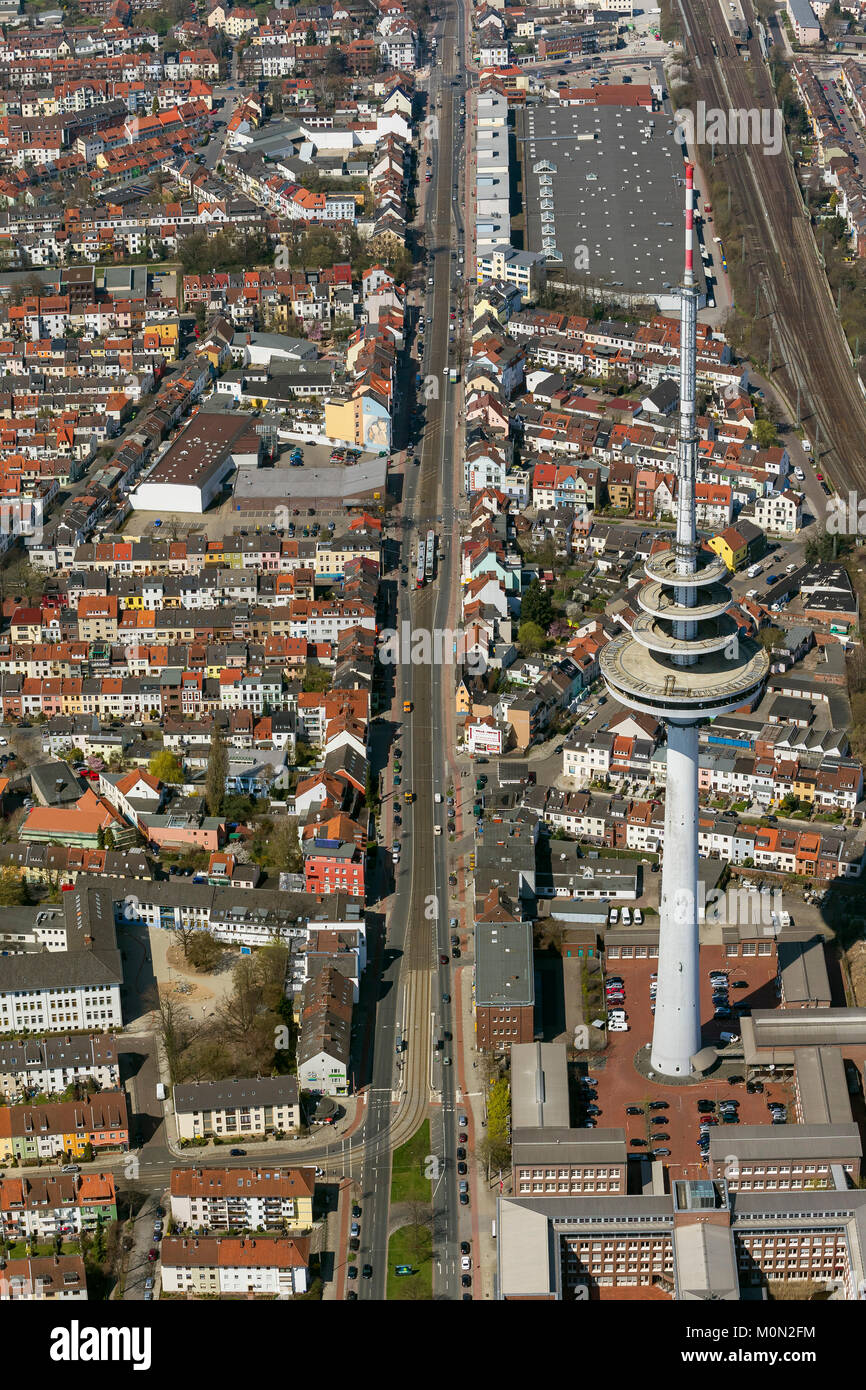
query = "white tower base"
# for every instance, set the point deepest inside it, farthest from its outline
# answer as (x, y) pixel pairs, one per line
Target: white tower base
(677, 1030)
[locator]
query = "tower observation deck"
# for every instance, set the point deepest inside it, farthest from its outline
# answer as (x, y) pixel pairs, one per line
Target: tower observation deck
(684, 662)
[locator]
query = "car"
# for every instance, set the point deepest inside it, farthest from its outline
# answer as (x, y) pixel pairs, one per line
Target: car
(616, 979)
(462, 1137)
(352, 1272)
(354, 1229)
(356, 1210)
(660, 1138)
(739, 984)
(736, 1080)
(638, 1143)
(446, 998)
(70, 1168)
(241, 1153)
(455, 953)
(465, 1247)
(466, 1281)
(461, 1151)
(462, 1169)
(820, 477)
(443, 959)
(658, 1120)
(149, 1283)
(659, 1105)
(634, 1110)
(462, 1120)
(618, 1026)
(661, 1153)
(354, 1245)
(754, 1087)
(590, 1080)
(464, 1199)
(153, 1253)
(730, 1118)
(705, 1106)
(367, 1272)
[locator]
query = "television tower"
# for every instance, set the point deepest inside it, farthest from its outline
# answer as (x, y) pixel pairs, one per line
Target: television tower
(682, 662)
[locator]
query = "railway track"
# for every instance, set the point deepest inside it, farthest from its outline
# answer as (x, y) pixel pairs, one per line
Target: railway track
(810, 354)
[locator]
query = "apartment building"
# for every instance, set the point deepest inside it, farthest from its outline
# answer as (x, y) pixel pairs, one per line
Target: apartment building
(249, 1199)
(43, 1279)
(252, 1106)
(51, 1064)
(66, 1129)
(55, 1205)
(209, 1266)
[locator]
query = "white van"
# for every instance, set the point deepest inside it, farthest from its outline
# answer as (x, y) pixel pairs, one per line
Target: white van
(626, 917)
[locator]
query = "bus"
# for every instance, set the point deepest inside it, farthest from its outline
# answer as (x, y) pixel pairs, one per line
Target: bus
(429, 555)
(419, 573)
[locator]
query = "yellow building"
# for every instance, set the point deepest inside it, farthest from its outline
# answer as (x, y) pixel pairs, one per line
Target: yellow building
(732, 547)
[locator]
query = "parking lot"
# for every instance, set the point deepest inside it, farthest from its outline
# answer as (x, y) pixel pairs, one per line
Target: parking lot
(674, 1124)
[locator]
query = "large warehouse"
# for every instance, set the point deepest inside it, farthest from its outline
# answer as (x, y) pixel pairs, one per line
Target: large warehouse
(191, 472)
(603, 195)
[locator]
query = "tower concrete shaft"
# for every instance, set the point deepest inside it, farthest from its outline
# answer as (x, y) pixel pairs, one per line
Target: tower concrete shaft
(677, 1029)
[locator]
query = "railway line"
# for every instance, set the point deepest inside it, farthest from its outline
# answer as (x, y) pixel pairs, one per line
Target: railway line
(811, 357)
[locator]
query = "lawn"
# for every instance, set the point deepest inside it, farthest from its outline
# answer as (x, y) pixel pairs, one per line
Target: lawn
(411, 1245)
(409, 1181)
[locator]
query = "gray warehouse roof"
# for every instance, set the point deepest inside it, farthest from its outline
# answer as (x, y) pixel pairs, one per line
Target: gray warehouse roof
(612, 188)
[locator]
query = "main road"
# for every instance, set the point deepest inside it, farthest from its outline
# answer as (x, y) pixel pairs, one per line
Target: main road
(415, 998)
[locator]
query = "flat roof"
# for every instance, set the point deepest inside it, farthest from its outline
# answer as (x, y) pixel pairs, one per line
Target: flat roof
(504, 970)
(539, 1085)
(610, 184)
(261, 484)
(822, 1086)
(771, 1035)
(787, 1142)
(536, 1145)
(804, 970)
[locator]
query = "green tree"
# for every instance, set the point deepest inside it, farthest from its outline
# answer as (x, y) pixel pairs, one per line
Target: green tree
(531, 638)
(217, 771)
(536, 606)
(204, 952)
(317, 679)
(166, 766)
(13, 887)
(100, 838)
(770, 637)
(109, 839)
(765, 434)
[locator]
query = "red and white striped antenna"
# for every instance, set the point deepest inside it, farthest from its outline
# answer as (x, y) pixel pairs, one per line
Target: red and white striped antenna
(690, 225)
